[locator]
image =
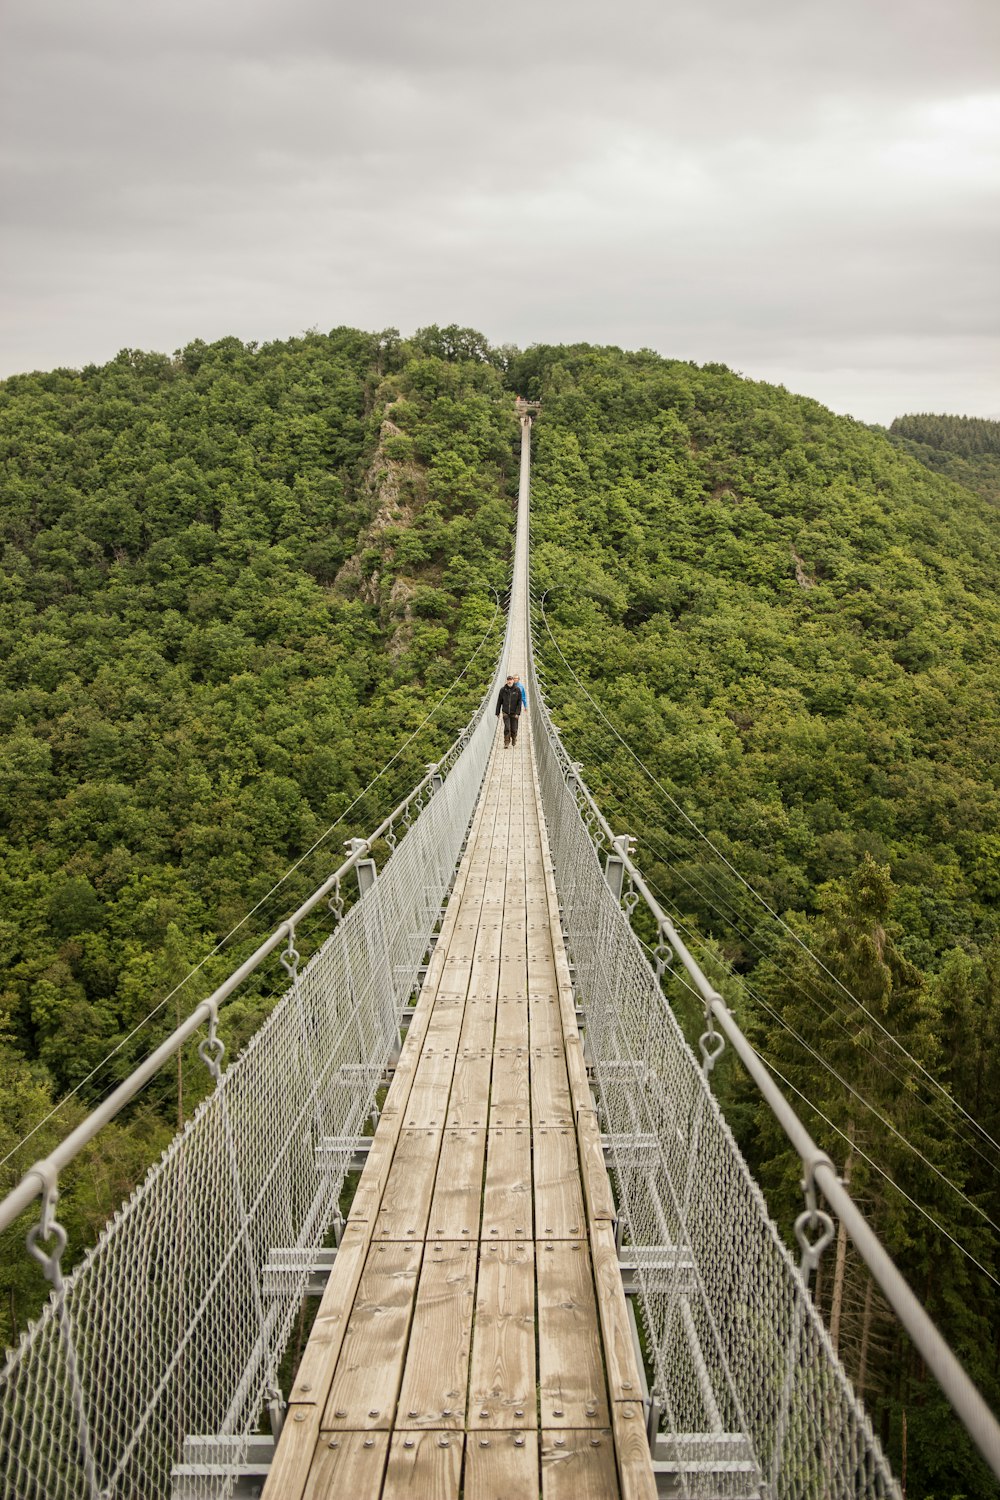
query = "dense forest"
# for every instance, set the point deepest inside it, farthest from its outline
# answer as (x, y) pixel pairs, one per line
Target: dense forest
(771, 638)
(235, 581)
(966, 449)
(233, 584)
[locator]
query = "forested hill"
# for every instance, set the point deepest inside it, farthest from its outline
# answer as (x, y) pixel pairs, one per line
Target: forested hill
(233, 583)
(966, 449)
(235, 580)
(766, 627)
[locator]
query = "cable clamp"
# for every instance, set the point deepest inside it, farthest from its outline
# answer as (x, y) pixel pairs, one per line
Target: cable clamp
(712, 1044)
(813, 1219)
(212, 1049)
(663, 953)
(290, 957)
(335, 900)
(48, 1226)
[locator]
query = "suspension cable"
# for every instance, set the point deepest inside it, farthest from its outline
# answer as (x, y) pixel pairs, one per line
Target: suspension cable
(756, 894)
(812, 991)
(266, 897)
(809, 987)
(685, 983)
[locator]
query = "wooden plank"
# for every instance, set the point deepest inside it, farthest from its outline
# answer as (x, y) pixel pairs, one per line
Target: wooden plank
(422, 1466)
(512, 1021)
(570, 1373)
(402, 1079)
(315, 1372)
(502, 1372)
(368, 1198)
(370, 1367)
(550, 1101)
(501, 1466)
(348, 1463)
(596, 1186)
(507, 1192)
(445, 1025)
(576, 1070)
(458, 1187)
(513, 973)
(406, 1200)
(468, 1102)
(619, 1350)
(293, 1457)
(478, 1025)
(559, 1211)
(483, 974)
(635, 1462)
(436, 1373)
(579, 1466)
(510, 1094)
(544, 1020)
(428, 1102)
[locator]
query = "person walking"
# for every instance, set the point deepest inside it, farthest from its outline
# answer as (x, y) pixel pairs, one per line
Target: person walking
(520, 687)
(509, 704)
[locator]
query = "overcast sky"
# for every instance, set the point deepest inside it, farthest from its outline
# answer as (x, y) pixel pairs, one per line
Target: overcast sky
(808, 192)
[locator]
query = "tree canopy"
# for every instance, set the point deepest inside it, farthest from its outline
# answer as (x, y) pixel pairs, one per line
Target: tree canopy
(235, 580)
(771, 639)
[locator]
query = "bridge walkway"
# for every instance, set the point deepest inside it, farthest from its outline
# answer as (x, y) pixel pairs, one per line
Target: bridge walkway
(474, 1338)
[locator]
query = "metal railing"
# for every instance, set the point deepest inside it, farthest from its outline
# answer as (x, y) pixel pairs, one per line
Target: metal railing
(175, 1323)
(735, 1341)
(170, 1326)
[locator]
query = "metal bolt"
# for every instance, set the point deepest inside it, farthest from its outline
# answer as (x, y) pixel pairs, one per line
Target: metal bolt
(519, 1442)
(484, 1442)
(305, 1386)
(299, 1416)
(373, 1413)
(557, 1412)
(446, 1412)
(333, 1443)
(626, 1385)
(369, 1442)
(340, 1412)
(560, 1442)
(595, 1442)
(411, 1413)
(519, 1412)
(407, 1442)
(484, 1412)
(444, 1442)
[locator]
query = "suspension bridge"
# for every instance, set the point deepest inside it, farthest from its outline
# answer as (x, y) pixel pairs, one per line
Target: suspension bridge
(556, 1275)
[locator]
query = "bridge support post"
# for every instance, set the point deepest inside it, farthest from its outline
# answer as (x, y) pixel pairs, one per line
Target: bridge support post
(614, 864)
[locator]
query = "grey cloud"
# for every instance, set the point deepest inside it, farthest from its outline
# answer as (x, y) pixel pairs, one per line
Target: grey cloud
(769, 182)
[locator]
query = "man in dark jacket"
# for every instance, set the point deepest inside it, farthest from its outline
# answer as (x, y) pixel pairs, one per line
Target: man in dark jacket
(509, 704)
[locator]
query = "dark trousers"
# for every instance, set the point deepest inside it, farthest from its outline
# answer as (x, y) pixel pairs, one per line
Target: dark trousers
(510, 723)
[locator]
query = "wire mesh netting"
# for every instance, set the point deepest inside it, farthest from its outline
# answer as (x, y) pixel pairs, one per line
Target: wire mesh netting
(175, 1324)
(754, 1400)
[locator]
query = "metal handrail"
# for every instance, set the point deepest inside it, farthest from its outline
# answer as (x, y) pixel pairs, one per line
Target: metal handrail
(40, 1179)
(818, 1170)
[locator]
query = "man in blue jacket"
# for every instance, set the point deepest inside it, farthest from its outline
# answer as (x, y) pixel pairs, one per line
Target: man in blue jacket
(509, 704)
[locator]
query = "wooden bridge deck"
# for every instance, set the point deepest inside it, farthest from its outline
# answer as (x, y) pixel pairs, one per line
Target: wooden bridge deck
(473, 1339)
